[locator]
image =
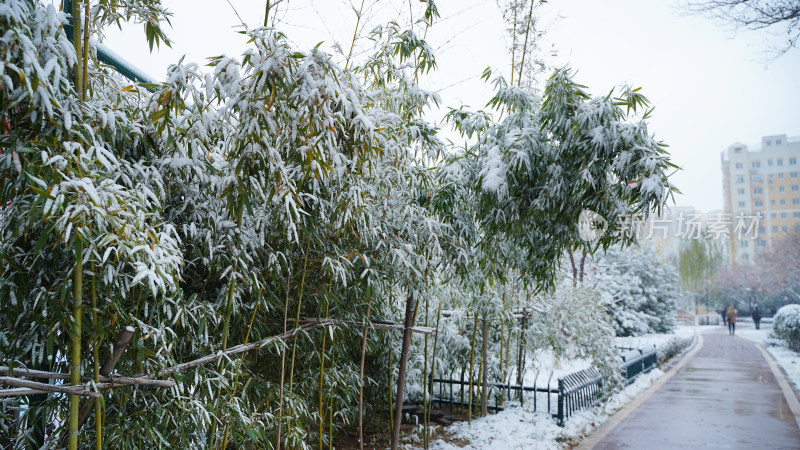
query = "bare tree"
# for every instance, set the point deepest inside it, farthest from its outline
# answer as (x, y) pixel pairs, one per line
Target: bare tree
(780, 17)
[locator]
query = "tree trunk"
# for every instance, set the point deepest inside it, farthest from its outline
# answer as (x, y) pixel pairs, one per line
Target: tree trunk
(401, 373)
(583, 262)
(574, 268)
(485, 362)
(521, 357)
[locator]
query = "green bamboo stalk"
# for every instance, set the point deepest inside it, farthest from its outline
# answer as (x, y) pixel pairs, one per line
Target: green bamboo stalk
(355, 35)
(76, 42)
(361, 381)
(75, 369)
(236, 377)
(471, 366)
(330, 398)
(525, 46)
(297, 317)
(266, 13)
(424, 374)
(283, 359)
(322, 366)
(433, 366)
(228, 311)
(389, 381)
(85, 55)
(98, 406)
(513, 44)
(485, 368)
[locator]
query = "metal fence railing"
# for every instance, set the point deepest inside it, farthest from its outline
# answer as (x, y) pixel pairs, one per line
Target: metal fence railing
(575, 391)
(635, 364)
(578, 390)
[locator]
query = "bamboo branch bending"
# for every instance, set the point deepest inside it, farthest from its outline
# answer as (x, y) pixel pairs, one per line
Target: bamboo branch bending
(43, 388)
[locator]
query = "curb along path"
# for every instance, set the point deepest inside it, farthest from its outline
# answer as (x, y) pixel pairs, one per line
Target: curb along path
(723, 395)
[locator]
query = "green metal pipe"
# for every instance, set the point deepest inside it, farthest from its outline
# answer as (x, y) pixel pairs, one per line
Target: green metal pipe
(107, 56)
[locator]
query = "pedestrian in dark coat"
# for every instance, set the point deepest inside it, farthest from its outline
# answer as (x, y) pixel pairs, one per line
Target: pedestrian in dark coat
(757, 317)
(724, 319)
(731, 316)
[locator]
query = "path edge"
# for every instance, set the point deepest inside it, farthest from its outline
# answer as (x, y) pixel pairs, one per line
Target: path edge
(606, 427)
(788, 392)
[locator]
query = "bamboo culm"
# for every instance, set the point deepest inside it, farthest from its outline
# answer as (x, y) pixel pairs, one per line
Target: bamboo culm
(471, 367)
(75, 369)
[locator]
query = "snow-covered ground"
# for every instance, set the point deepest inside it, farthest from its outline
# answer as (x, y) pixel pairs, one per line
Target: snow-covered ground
(787, 359)
(519, 427)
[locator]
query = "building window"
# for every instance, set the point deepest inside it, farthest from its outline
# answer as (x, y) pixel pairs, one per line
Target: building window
(796, 214)
(769, 143)
(762, 243)
(780, 176)
(761, 230)
(774, 215)
(745, 243)
(759, 203)
(745, 256)
(741, 204)
(796, 201)
(780, 161)
(772, 202)
(783, 201)
(794, 188)
(785, 229)
(781, 188)
(777, 142)
(774, 228)
(740, 178)
(769, 163)
(792, 161)
(740, 191)
(756, 164)
(793, 174)
(739, 165)
(758, 190)
(756, 177)
(783, 215)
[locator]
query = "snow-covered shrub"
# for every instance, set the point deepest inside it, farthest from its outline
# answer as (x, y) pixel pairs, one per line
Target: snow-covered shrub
(573, 323)
(786, 326)
(673, 348)
(640, 290)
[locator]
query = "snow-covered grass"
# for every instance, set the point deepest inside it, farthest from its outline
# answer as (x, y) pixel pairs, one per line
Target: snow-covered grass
(519, 427)
(658, 340)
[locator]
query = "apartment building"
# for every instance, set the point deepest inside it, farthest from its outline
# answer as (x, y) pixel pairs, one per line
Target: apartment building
(762, 182)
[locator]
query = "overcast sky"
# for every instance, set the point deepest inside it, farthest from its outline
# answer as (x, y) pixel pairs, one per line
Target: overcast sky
(710, 87)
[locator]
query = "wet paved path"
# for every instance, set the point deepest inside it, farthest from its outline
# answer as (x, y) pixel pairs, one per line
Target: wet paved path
(725, 396)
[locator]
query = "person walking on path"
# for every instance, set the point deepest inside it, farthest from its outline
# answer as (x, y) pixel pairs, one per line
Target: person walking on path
(724, 319)
(757, 317)
(731, 316)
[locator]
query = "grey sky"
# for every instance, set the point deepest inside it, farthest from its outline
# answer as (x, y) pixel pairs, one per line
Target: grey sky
(710, 88)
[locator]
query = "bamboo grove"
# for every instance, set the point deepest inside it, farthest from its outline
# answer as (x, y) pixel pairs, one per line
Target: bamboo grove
(281, 235)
